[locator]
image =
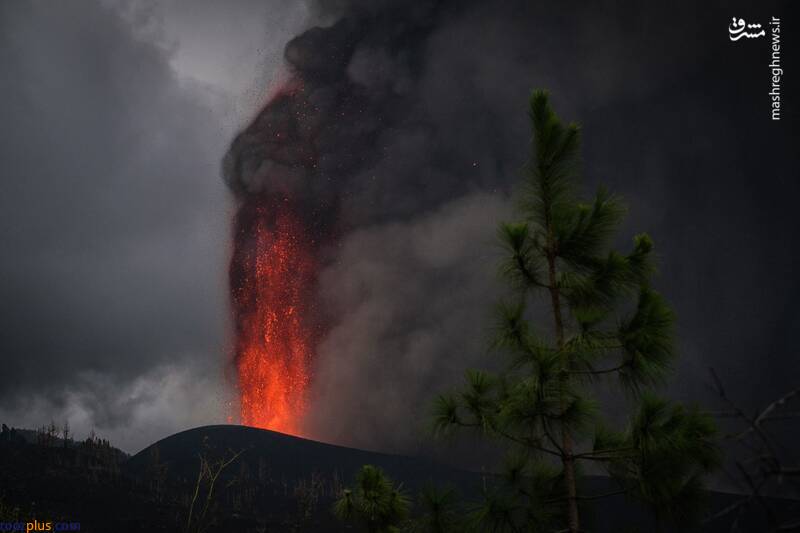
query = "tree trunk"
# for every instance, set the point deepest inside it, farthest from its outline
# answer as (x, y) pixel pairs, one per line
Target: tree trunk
(573, 522)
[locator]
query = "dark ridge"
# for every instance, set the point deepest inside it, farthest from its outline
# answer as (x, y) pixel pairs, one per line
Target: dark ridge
(291, 458)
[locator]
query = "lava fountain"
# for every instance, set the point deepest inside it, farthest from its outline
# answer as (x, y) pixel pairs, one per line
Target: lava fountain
(272, 272)
(289, 171)
(273, 267)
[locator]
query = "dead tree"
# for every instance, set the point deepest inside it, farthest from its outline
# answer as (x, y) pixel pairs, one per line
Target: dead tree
(764, 471)
(208, 472)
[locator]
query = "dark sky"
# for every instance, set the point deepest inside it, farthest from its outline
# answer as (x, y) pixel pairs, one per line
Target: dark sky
(115, 217)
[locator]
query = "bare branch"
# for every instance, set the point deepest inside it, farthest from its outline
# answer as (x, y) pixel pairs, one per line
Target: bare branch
(773, 522)
(780, 402)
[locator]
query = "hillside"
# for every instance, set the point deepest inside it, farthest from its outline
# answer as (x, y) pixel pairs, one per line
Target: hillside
(284, 457)
(275, 483)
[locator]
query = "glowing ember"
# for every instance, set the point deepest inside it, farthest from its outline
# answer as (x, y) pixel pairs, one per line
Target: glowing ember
(272, 273)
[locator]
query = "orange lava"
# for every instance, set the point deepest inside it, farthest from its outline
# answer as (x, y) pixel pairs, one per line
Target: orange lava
(271, 274)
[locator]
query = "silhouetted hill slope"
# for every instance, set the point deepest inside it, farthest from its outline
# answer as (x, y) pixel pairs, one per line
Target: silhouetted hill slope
(287, 458)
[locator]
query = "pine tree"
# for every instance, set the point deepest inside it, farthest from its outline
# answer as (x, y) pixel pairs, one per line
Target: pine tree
(373, 502)
(605, 321)
(440, 511)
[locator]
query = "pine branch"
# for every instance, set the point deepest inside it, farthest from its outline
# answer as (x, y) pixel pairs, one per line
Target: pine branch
(594, 496)
(599, 372)
(550, 437)
(605, 495)
(597, 454)
(530, 443)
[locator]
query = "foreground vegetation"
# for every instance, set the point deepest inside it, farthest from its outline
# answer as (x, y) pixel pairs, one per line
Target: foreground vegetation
(606, 321)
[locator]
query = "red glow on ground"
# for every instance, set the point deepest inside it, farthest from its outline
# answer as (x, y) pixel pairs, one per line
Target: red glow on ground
(272, 273)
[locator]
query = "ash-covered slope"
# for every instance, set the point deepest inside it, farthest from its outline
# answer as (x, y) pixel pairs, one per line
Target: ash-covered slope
(277, 482)
(269, 456)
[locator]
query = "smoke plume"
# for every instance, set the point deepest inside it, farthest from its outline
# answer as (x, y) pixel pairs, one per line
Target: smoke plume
(397, 138)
